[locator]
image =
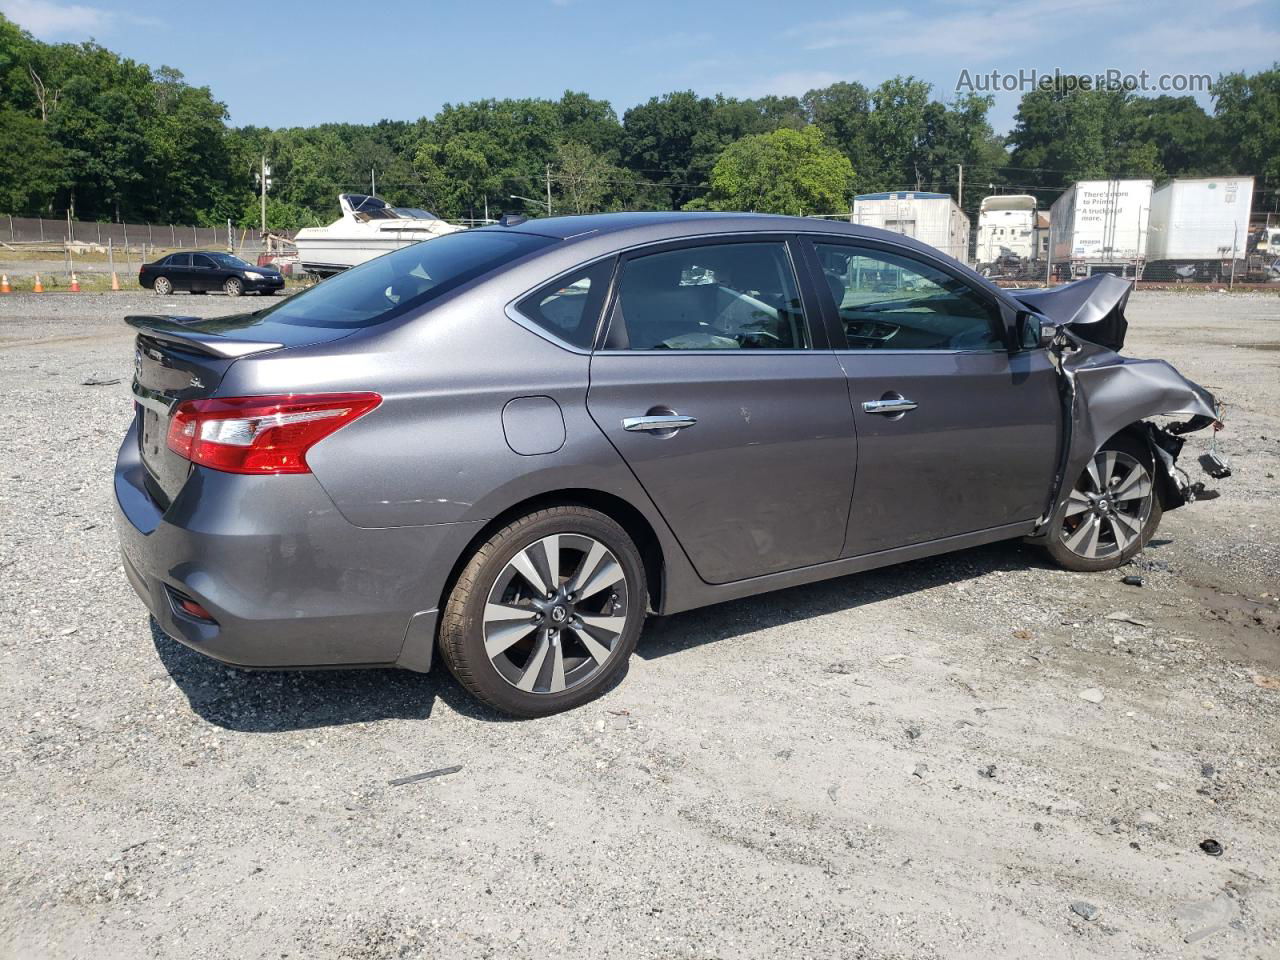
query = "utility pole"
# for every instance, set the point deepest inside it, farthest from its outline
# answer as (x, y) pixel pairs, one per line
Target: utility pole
(960, 190)
(264, 181)
(373, 181)
(548, 189)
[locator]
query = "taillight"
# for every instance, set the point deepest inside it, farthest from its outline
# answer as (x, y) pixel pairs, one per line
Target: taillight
(261, 434)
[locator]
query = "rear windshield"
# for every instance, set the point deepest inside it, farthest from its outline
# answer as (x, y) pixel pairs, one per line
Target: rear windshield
(409, 277)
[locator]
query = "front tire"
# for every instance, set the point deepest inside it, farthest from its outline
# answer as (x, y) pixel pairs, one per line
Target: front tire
(546, 613)
(1111, 512)
(234, 286)
(163, 286)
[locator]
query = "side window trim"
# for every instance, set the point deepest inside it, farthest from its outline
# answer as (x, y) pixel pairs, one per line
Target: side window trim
(612, 338)
(830, 311)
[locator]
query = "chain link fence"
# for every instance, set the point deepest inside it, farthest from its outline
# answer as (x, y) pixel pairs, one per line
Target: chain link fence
(36, 230)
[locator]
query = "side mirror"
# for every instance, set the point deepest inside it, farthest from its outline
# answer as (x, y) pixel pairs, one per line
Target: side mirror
(1034, 333)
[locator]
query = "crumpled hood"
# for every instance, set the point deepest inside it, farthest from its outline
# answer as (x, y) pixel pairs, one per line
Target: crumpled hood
(1093, 307)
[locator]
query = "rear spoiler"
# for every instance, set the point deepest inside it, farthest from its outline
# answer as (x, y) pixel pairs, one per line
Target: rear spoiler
(180, 332)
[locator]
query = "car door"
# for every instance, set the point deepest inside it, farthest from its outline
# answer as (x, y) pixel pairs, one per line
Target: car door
(205, 274)
(715, 382)
(956, 433)
(178, 269)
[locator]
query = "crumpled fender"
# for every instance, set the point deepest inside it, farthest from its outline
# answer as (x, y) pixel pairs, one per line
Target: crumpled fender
(1104, 393)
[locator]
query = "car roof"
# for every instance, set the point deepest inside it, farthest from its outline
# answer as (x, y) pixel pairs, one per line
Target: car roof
(601, 233)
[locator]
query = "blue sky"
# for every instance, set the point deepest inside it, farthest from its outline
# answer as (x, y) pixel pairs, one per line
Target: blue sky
(289, 63)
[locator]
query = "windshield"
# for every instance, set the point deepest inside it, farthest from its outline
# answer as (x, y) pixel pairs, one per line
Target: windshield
(415, 213)
(227, 260)
(397, 282)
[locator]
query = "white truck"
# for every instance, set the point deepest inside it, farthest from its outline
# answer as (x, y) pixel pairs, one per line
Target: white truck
(1199, 229)
(1100, 226)
(932, 218)
(1006, 234)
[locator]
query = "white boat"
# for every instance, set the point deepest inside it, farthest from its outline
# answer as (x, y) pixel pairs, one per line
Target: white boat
(369, 227)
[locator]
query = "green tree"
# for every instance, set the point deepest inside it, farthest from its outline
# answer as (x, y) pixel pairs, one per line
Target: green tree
(786, 171)
(1247, 109)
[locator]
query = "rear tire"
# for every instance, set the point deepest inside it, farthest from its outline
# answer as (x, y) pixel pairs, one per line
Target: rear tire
(546, 613)
(163, 286)
(1112, 511)
(234, 286)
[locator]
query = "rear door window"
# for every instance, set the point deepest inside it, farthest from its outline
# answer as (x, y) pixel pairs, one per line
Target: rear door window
(178, 260)
(717, 296)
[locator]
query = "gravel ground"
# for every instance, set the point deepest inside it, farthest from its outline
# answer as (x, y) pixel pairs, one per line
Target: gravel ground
(934, 760)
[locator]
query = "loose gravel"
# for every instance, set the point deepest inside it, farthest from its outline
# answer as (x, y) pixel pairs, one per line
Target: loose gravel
(896, 764)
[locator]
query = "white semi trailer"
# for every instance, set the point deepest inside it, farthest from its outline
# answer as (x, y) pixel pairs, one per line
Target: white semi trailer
(1100, 226)
(932, 218)
(1199, 229)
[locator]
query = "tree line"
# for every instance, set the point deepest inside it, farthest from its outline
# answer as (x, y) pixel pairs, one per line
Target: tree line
(86, 130)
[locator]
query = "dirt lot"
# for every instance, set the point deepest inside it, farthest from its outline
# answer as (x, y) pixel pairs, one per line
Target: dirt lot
(898, 764)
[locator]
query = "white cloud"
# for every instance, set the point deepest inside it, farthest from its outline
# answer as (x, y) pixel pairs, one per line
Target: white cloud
(55, 20)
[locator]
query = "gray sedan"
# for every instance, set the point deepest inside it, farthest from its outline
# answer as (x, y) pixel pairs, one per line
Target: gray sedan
(510, 445)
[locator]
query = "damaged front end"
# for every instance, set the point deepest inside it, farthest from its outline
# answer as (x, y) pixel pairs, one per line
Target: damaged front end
(1105, 394)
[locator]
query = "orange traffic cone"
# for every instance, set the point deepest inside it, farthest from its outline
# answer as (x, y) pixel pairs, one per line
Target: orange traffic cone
(75, 283)
(4, 283)
(115, 280)
(39, 287)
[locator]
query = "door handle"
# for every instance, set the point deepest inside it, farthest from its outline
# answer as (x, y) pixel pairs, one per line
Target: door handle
(889, 405)
(658, 424)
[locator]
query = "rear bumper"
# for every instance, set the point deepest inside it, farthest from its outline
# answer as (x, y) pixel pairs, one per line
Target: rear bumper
(289, 581)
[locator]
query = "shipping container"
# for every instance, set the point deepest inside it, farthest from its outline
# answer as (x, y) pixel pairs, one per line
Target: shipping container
(1100, 226)
(1198, 226)
(932, 218)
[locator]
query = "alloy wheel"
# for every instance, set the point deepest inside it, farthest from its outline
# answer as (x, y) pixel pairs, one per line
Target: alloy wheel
(1108, 507)
(555, 613)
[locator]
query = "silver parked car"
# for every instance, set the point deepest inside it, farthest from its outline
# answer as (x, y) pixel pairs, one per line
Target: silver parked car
(513, 443)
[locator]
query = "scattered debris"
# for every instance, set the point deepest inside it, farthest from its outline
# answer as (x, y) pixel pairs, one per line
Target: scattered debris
(1092, 694)
(1207, 770)
(430, 774)
(621, 713)
(1265, 682)
(842, 667)
(1083, 908)
(1132, 580)
(921, 769)
(831, 792)
(1023, 635)
(892, 658)
(912, 732)
(100, 382)
(989, 771)
(1203, 918)
(1212, 847)
(1121, 617)
(1148, 819)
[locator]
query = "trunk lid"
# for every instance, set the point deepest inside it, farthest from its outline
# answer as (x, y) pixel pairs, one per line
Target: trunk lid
(185, 358)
